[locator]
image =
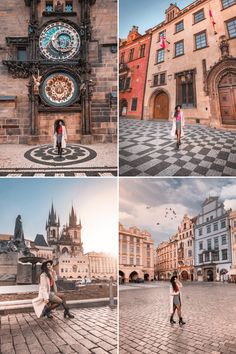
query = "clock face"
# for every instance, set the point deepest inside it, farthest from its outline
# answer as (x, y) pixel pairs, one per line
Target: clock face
(59, 41)
(59, 89)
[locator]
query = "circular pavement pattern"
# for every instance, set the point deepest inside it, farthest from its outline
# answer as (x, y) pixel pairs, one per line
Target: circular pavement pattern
(72, 154)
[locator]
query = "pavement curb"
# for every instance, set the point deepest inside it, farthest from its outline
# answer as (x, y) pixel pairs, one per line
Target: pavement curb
(21, 306)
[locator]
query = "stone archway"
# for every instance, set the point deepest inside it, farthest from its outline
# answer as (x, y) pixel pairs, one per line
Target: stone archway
(184, 275)
(221, 88)
(159, 105)
(133, 276)
(210, 275)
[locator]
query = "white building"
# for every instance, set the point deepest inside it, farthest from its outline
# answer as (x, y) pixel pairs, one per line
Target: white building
(212, 246)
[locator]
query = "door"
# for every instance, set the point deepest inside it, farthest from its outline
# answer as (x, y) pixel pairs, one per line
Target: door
(227, 97)
(209, 275)
(161, 106)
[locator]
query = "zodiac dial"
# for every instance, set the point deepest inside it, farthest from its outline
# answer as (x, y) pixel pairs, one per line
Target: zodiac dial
(59, 89)
(59, 41)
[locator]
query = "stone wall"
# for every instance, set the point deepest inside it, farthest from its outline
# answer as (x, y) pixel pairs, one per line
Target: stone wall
(15, 115)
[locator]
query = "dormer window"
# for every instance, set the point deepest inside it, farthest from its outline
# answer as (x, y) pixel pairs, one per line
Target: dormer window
(69, 6)
(49, 6)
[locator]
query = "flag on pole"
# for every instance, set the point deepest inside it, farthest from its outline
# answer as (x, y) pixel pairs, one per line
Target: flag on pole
(212, 21)
(163, 42)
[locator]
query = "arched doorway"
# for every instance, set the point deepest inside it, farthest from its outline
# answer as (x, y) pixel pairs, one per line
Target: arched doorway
(161, 106)
(227, 98)
(133, 276)
(123, 107)
(184, 275)
(209, 275)
(121, 277)
(146, 277)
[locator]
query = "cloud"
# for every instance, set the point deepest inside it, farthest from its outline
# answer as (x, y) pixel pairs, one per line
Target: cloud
(185, 195)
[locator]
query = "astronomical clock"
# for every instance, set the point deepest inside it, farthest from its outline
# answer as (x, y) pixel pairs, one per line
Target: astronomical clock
(59, 41)
(56, 63)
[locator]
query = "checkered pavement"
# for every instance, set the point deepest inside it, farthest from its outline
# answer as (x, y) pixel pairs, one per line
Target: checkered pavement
(27, 172)
(147, 149)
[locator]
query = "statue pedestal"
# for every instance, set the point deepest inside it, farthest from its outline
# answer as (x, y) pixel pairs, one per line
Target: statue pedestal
(8, 267)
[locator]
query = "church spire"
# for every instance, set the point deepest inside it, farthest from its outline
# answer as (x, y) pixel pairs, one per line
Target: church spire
(72, 218)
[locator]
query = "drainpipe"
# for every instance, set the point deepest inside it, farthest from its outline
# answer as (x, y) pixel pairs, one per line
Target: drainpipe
(145, 82)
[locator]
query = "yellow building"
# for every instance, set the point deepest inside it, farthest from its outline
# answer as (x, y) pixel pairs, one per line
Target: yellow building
(167, 258)
(197, 69)
(136, 255)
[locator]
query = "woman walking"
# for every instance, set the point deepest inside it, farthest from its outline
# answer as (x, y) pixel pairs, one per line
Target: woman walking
(175, 299)
(48, 299)
(178, 125)
(60, 136)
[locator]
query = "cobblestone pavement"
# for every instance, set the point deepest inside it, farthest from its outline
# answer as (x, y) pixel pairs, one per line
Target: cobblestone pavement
(43, 161)
(208, 309)
(147, 149)
(93, 330)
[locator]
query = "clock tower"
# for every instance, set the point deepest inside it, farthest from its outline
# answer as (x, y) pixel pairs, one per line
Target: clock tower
(59, 56)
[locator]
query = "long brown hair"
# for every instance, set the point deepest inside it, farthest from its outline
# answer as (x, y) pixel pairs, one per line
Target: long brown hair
(173, 283)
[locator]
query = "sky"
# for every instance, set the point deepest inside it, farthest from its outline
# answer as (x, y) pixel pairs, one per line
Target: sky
(184, 195)
(94, 201)
(144, 13)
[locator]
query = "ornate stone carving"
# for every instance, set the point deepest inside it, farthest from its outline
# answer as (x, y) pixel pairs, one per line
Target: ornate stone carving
(37, 81)
(224, 47)
(59, 88)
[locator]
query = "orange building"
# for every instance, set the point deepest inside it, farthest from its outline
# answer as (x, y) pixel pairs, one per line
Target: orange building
(134, 54)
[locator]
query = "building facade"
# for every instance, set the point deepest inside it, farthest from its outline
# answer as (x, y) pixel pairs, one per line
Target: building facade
(134, 54)
(185, 253)
(167, 258)
(212, 245)
(136, 255)
(58, 61)
(232, 218)
(193, 63)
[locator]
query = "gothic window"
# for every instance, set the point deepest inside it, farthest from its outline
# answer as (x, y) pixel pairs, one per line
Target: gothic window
(185, 86)
(131, 54)
(53, 233)
(198, 16)
(134, 104)
(231, 26)
(160, 56)
(69, 6)
(162, 79)
(122, 83)
(179, 48)
(49, 6)
(127, 83)
(200, 40)
(21, 54)
(142, 51)
(155, 80)
(179, 26)
(227, 3)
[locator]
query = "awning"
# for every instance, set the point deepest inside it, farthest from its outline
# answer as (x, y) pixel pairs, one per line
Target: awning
(232, 272)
